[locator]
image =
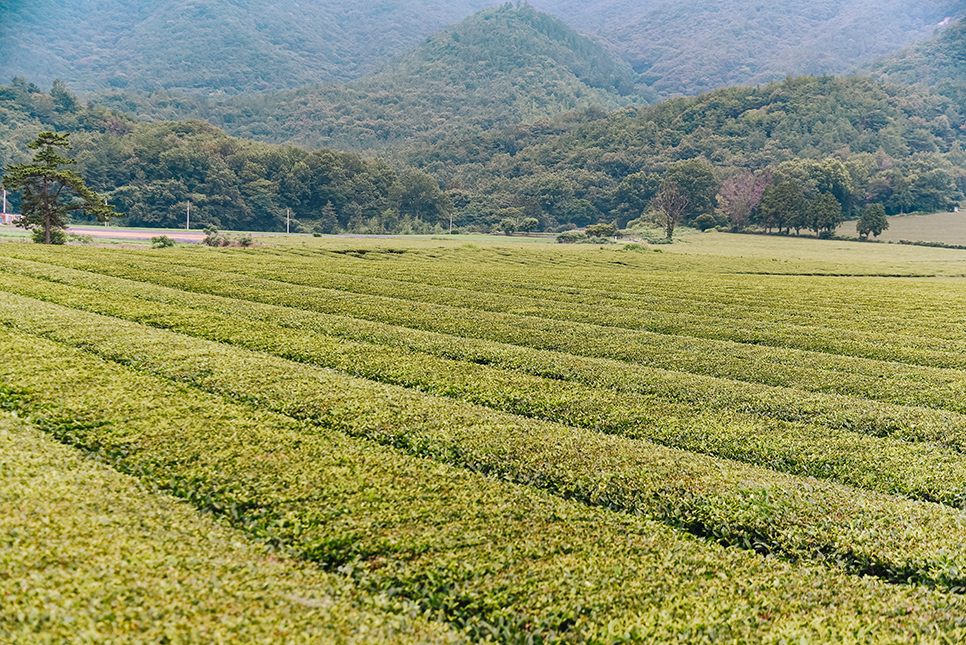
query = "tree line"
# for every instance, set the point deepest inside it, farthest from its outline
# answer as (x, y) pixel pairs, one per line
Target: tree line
(744, 157)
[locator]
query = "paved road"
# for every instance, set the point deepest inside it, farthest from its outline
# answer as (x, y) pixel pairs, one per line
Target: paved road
(116, 233)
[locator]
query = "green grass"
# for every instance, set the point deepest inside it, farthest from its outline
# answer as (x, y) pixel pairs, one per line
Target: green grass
(948, 228)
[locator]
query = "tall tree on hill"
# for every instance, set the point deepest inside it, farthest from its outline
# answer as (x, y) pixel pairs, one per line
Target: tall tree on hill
(49, 193)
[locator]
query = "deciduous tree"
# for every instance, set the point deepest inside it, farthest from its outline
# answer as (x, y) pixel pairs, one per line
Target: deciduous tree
(671, 205)
(740, 196)
(696, 181)
(825, 214)
(782, 206)
(873, 221)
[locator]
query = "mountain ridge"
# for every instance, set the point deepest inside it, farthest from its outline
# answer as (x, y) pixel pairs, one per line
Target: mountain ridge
(940, 58)
(503, 65)
(243, 46)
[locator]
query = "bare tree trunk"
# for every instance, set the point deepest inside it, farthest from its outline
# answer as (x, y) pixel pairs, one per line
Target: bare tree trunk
(46, 207)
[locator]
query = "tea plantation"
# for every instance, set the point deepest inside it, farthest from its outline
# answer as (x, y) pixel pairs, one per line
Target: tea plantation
(427, 441)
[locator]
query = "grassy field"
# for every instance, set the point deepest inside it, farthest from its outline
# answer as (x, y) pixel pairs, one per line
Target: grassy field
(739, 439)
(947, 228)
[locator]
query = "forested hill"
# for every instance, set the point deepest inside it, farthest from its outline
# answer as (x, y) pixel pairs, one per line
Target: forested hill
(211, 45)
(502, 66)
(688, 47)
(26, 110)
(941, 58)
(242, 46)
(862, 142)
(902, 146)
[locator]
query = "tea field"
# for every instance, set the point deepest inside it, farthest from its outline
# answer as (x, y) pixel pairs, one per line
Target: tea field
(740, 439)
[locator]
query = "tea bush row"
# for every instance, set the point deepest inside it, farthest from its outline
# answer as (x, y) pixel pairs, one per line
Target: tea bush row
(705, 312)
(858, 331)
(920, 470)
(811, 371)
(735, 503)
(498, 560)
(90, 556)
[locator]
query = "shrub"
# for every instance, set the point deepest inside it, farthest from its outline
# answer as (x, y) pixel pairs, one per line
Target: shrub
(212, 237)
(569, 237)
(162, 242)
(601, 230)
(704, 222)
(57, 236)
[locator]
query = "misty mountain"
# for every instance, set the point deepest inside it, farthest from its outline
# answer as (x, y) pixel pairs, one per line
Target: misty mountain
(211, 45)
(502, 66)
(941, 58)
(240, 46)
(689, 47)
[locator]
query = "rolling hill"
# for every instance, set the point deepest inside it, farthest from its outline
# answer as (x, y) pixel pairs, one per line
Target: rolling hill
(242, 46)
(204, 46)
(690, 47)
(502, 66)
(930, 62)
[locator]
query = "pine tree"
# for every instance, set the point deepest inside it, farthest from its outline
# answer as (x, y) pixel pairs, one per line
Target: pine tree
(49, 193)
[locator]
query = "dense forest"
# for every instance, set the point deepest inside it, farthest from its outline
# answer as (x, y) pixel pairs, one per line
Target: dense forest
(25, 110)
(150, 171)
(502, 66)
(901, 146)
(854, 139)
(938, 60)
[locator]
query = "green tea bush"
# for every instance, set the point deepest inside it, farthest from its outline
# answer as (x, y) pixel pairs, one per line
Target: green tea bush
(496, 560)
(57, 236)
(793, 516)
(136, 565)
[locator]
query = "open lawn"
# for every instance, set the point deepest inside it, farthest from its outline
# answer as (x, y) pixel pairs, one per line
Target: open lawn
(734, 438)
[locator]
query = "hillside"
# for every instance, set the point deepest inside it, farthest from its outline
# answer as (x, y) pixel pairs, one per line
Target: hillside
(932, 61)
(690, 47)
(203, 46)
(25, 110)
(901, 146)
(500, 67)
(242, 46)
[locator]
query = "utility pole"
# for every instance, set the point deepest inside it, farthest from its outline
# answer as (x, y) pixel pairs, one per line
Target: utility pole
(451, 222)
(187, 221)
(288, 219)
(105, 203)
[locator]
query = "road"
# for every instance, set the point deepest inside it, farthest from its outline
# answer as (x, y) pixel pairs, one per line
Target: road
(136, 234)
